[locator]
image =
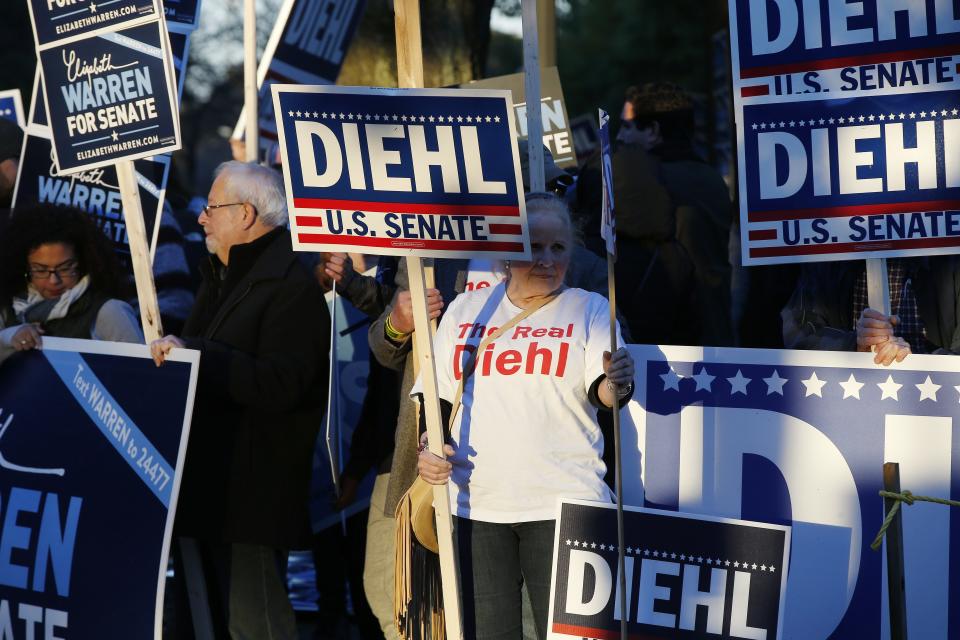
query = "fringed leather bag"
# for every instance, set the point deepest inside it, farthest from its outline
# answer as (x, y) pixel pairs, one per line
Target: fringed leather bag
(418, 592)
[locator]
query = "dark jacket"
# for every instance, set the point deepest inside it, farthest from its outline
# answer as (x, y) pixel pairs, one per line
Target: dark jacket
(656, 278)
(820, 313)
(263, 332)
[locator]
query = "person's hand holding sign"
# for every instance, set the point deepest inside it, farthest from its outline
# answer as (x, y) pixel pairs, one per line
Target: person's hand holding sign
(159, 349)
(875, 333)
(27, 337)
(401, 318)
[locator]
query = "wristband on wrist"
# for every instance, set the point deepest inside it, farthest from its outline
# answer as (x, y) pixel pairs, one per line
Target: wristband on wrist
(392, 333)
(620, 391)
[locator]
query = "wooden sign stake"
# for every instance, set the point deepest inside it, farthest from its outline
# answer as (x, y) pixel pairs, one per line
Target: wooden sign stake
(896, 584)
(250, 94)
(531, 89)
(878, 288)
(410, 75)
(139, 251)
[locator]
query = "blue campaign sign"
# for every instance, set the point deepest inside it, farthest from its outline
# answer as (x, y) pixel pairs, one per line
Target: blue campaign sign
(687, 576)
(95, 191)
(800, 438)
(429, 172)
(349, 369)
(179, 50)
(608, 221)
(879, 174)
(847, 118)
(63, 20)
(11, 107)
(182, 15)
(307, 46)
(111, 97)
(92, 440)
(783, 37)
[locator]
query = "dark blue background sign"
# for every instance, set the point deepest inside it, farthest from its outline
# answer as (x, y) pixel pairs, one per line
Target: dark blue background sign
(184, 13)
(11, 107)
(363, 187)
(38, 108)
(316, 36)
(834, 35)
(765, 425)
(801, 169)
(180, 49)
(663, 550)
(95, 191)
(85, 504)
(56, 20)
(122, 108)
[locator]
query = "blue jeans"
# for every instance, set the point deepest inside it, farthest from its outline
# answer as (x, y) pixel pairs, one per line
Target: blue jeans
(496, 561)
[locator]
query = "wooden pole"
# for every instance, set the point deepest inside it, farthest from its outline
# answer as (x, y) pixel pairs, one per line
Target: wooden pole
(250, 94)
(410, 75)
(531, 88)
(896, 583)
(878, 288)
(621, 542)
(139, 251)
(547, 32)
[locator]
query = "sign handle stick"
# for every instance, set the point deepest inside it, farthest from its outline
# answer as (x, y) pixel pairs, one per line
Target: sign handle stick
(618, 471)
(139, 251)
(410, 75)
(250, 94)
(896, 585)
(531, 88)
(878, 288)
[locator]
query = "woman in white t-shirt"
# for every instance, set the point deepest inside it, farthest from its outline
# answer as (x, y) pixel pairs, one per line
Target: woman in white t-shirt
(527, 431)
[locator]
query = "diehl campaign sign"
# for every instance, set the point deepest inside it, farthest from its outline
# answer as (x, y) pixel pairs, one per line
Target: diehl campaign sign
(800, 438)
(687, 576)
(96, 191)
(111, 97)
(848, 128)
(428, 172)
(65, 20)
(92, 440)
(307, 46)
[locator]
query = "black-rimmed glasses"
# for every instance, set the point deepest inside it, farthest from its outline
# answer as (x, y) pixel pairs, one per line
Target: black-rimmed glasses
(69, 269)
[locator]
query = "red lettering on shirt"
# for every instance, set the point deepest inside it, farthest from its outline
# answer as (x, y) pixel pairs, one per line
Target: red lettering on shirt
(546, 358)
(521, 332)
(508, 362)
(461, 356)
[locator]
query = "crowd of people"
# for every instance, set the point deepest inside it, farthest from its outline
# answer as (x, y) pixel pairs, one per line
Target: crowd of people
(525, 369)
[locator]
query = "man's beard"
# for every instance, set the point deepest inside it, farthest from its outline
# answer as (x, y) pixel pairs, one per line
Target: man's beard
(212, 244)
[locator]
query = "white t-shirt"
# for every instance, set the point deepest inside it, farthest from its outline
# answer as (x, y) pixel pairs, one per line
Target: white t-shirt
(532, 435)
(480, 275)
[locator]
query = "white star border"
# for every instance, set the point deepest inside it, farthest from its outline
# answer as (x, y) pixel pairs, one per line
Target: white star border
(396, 118)
(670, 555)
(856, 119)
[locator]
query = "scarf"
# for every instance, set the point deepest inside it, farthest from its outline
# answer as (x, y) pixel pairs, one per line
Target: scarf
(36, 308)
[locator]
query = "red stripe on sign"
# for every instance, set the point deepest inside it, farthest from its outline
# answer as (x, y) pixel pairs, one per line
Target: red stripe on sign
(763, 234)
(853, 210)
(273, 75)
(310, 221)
(755, 90)
(506, 229)
(403, 243)
(403, 207)
(855, 247)
(836, 63)
(599, 634)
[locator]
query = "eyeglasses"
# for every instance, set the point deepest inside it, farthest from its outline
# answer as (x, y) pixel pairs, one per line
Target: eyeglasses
(207, 208)
(70, 269)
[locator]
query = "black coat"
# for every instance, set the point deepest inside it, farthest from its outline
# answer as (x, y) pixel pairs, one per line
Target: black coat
(261, 394)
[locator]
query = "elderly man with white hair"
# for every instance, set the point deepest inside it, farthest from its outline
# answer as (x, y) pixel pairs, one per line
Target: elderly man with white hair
(262, 329)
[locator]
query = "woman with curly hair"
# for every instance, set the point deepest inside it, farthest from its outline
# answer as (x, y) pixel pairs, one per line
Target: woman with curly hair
(59, 277)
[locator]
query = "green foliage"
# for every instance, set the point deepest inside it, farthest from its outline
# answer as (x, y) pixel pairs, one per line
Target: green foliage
(605, 46)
